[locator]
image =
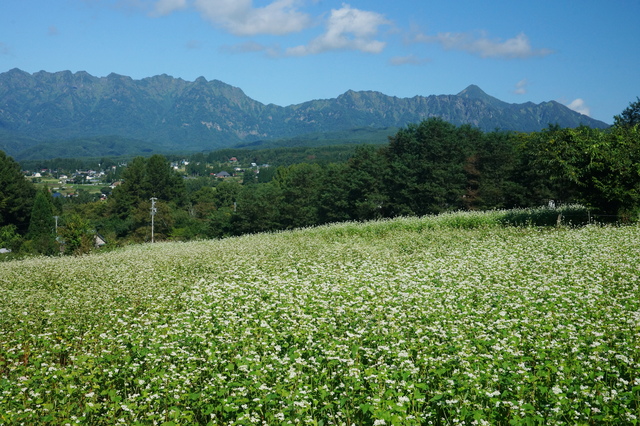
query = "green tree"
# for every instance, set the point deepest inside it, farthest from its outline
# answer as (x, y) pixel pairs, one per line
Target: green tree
(220, 223)
(163, 221)
(127, 195)
(226, 194)
(203, 202)
(41, 234)
(354, 190)
(161, 181)
(266, 174)
(9, 238)
(334, 195)
(249, 177)
(425, 172)
(258, 209)
(16, 195)
(77, 235)
(196, 168)
(367, 198)
(187, 226)
(299, 186)
(491, 171)
(142, 180)
(630, 116)
(599, 168)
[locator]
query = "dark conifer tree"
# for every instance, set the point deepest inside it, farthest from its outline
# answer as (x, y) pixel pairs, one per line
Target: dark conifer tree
(42, 232)
(16, 195)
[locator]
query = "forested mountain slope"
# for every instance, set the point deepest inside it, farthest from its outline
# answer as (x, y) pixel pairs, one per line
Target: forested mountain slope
(163, 113)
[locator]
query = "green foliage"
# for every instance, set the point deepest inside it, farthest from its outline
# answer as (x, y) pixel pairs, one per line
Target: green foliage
(249, 177)
(77, 235)
(131, 191)
(16, 195)
(86, 147)
(161, 181)
(425, 171)
(187, 226)
(41, 235)
(430, 167)
(142, 180)
(315, 144)
(354, 190)
(10, 238)
(258, 209)
(299, 186)
(447, 319)
(569, 215)
(220, 223)
(599, 167)
(203, 202)
(226, 194)
(266, 174)
(163, 221)
(630, 116)
(493, 173)
(286, 156)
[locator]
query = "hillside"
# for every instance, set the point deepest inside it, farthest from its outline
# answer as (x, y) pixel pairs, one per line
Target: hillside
(42, 109)
(401, 322)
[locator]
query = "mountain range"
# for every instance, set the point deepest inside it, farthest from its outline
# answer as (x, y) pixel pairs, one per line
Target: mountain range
(65, 114)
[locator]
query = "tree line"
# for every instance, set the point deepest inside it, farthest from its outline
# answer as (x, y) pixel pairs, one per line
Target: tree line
(426, 168)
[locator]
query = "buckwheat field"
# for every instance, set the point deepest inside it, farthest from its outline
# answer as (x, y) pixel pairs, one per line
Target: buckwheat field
(405, 322)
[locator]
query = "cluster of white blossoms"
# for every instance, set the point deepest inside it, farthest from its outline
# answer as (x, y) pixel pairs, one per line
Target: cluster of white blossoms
(394, 322)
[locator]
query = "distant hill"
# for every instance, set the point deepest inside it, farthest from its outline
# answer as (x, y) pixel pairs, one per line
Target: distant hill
(44, 114)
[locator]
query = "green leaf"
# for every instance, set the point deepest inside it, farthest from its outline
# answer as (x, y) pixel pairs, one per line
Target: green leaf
(438, 397)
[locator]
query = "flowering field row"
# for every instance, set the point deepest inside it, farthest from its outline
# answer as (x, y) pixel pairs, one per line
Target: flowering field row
(391, 322)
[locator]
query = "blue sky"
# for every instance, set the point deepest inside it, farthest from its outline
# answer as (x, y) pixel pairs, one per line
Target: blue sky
(584, 54)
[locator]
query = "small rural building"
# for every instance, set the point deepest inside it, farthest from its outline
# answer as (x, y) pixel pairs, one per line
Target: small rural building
(99, 240)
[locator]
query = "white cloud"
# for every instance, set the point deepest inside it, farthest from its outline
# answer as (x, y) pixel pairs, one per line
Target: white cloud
(579, 105)
(240, 17)
(521, 87)
(165, 7)
(516, 47)
(408, 60)
(346, 29)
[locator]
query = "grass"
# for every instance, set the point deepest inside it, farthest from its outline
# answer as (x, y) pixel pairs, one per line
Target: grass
(454, 319)
(69, 188)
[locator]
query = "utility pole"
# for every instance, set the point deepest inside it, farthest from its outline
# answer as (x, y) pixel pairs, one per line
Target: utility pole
(153, 213)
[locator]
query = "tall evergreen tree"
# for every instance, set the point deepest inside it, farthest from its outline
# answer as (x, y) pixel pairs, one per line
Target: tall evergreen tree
(299, 185)
(425, 171)
(16, 195)
(630, 116)
(143, 179)
(258, 209)
(491, 173)
(42, 233)
(161, 181)
(128, 195)
(353, 190)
